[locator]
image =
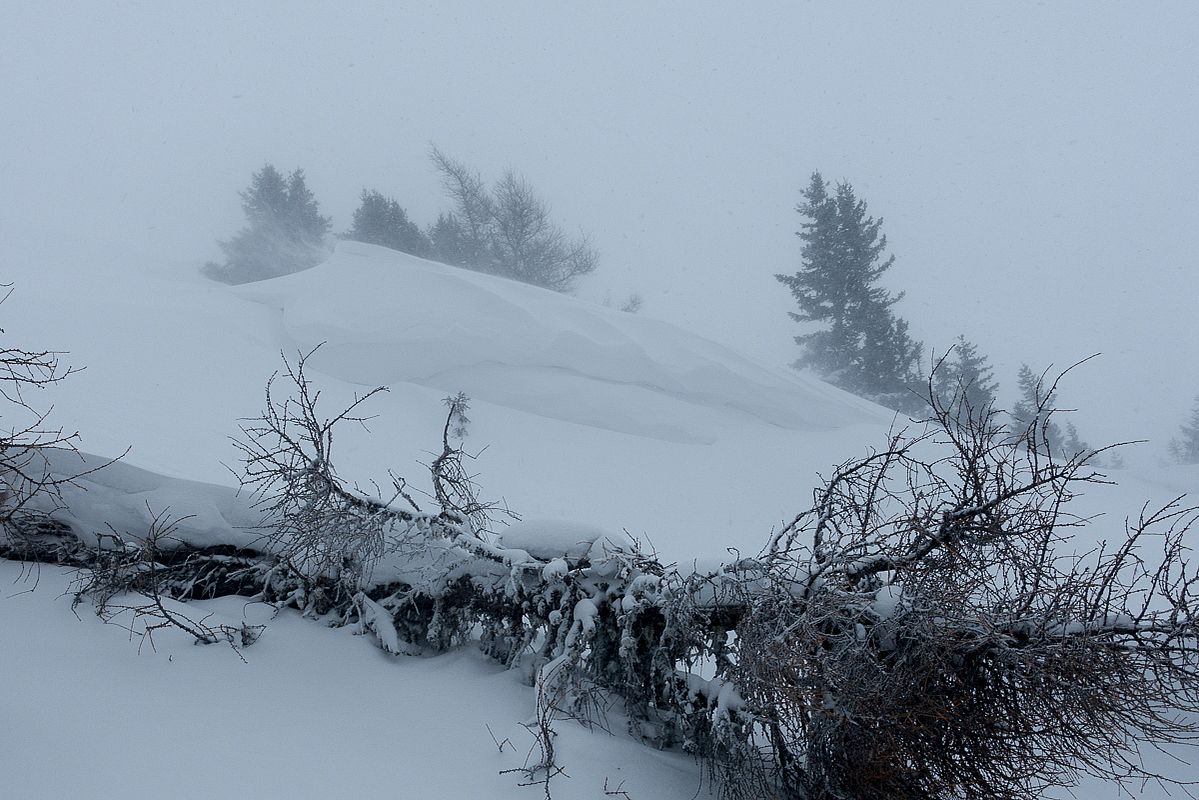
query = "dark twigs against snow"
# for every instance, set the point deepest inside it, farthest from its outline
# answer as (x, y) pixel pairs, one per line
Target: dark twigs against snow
(925, 629)
(26, 441)
(453, 486)
(134, 581)
(315, 521)
(927, 634)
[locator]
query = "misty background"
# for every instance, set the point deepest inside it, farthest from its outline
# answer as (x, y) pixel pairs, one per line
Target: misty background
(1034, 164)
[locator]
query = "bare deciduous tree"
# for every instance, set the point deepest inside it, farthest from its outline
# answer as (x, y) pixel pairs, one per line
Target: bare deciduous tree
(507, 230)
(531, 248)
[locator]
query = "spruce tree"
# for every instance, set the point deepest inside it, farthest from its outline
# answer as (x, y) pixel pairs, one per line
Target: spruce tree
(285, 231)
(381, 220)
(448, 241)
(1036, 405)
(1185, 447)
(266, 201)
(964, 382)
(302, 215)
(1072, 444)
(861, 345)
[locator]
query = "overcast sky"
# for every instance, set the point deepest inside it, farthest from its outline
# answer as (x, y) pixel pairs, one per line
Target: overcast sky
(1035, 164)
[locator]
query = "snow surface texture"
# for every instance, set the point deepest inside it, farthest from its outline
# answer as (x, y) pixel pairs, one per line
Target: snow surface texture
(315, 713)
(126, 499)
(389, 317)
(613, 421)
(582, 412)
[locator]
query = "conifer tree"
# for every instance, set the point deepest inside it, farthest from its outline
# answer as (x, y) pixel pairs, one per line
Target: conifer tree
(964, 381)
(285, 230)
(1185, 447)
(861, 345)
(381, 220)
(302, 215)
(1037, 404)
(448, 241)
(1072, 444)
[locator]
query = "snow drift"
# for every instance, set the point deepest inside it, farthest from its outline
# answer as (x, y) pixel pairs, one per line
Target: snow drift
(389, 317)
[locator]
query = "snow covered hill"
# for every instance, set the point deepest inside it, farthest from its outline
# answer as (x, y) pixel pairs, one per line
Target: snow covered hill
(580, 411)
(388, 318)
(611, 420)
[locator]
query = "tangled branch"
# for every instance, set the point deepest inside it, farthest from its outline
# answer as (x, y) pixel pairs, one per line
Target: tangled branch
(929, 632)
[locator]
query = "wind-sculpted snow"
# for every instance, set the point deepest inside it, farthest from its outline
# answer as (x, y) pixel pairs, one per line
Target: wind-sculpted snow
(578, 411)
(387, 317)
(550, 538)
(121, 499)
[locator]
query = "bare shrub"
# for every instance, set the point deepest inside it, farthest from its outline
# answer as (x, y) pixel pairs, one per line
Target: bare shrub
(927, 630)
(316, 523)
(129, 582)
(30, 488)
(329, 538)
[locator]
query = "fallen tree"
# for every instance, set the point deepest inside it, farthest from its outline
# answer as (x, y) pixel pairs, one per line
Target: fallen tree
(924, 629)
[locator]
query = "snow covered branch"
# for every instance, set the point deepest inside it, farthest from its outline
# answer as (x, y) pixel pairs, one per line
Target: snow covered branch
(926, 628)
(26, 442)
(929, 632)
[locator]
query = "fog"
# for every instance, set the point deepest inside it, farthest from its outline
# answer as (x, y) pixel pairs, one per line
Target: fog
(1034, 164)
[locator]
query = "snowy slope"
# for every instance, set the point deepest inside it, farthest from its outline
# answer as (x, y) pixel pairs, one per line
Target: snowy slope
(607, 419)
(582, 412)
(312, 713)
(389, 317)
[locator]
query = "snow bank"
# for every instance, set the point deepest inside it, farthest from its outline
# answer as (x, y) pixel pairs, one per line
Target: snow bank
(121, 498)
(314, 712)
(547, 539)
(388, 317)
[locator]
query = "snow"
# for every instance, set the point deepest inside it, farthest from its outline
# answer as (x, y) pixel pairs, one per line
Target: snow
(614, 420)
(886, 601)
(550, 539)
(598, 427)
(117, 496)
(389, 317)
(377, 619)
(313, 712)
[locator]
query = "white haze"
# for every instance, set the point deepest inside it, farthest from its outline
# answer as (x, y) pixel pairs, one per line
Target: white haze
(1035, 163)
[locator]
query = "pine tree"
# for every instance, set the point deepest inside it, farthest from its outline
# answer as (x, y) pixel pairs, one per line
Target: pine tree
(1185, 447)
(1072, 444)
(448, 241)
(861, 345)
(285, 231)
(963, 381)
(302, 215)
(381, 220)
(1036, 407)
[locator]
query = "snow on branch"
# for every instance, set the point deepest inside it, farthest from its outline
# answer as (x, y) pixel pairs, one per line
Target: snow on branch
(925, 629)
